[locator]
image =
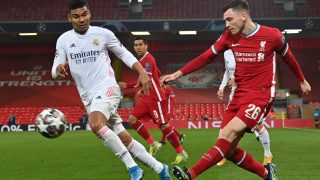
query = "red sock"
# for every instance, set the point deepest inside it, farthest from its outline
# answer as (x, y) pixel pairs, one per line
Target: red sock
(246, 161)
(143, 132)
(163, 139)
(176, 132)
(211, 157)
(173, 139)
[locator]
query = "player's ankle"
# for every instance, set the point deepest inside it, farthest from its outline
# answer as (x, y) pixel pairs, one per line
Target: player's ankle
(192, 173)
(266, 173)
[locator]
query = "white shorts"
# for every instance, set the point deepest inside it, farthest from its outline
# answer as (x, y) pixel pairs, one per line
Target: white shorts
(106, 101)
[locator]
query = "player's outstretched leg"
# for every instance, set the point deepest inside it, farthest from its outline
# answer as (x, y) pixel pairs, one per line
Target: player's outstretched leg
(244, 160)
(140, 152)
(181, 174)
(113, 142)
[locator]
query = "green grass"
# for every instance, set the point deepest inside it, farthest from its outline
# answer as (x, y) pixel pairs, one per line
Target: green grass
(80, 155)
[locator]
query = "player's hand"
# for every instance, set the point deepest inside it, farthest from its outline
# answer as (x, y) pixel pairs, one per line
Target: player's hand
(171, 77)
(62, 70)
(220, 94)
(305, 87)
(231, 82)
(123, 85)
(140, 93)
(144, 81)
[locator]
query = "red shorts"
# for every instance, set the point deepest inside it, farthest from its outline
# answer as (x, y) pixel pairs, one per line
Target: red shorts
(157, 111)
(250, 107)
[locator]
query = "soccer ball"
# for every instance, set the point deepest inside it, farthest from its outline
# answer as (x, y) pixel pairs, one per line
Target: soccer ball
(51, 123)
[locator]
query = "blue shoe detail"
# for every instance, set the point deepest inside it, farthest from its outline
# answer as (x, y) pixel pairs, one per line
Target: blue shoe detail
(271, 171)
(136, 173)
(165, 173)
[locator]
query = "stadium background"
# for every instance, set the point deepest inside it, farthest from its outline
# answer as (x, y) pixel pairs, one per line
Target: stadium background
(26, 86)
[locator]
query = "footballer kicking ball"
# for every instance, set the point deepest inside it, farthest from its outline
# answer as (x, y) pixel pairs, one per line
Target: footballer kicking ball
(51, 123)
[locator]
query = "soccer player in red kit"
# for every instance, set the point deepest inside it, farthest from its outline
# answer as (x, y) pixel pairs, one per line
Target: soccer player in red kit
(153, 105)
(255, 48)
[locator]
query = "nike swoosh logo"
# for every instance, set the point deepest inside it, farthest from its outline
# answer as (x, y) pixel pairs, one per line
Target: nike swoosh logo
(233, 45)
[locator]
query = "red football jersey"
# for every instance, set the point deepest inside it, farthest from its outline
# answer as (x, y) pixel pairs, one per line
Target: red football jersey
(255, 56)
(149, 63)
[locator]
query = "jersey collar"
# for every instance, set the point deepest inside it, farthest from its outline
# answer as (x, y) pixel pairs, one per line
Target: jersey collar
(144, 55)
(84, 33)
(254, 31)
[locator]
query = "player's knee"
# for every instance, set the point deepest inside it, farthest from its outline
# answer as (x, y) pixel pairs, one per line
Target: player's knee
(227, 134)
(95, 127)
(97, 121)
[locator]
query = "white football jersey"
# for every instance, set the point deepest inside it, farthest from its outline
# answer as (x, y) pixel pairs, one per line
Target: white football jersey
(230, 65)
(88, 58)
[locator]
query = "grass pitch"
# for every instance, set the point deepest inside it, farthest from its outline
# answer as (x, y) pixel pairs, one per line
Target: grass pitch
(79, 155)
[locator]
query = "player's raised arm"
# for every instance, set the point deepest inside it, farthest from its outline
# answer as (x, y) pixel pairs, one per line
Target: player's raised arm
(195, 64)
(198, 62)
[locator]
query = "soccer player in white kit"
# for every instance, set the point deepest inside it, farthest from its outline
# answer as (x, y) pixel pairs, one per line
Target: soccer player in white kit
(84, 50)
(261, 132)
(228, 75)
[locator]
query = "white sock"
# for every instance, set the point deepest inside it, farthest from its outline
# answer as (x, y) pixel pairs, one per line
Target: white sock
(113, 142)
(265, 141)
(143, 156)
(256, 134)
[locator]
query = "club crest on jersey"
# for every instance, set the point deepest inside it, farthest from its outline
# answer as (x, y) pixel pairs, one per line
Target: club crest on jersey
(148, 68)
(95, 42)
(262, 45)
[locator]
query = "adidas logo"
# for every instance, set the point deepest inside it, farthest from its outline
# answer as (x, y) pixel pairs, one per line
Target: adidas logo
(72, 45)
(99, 97)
